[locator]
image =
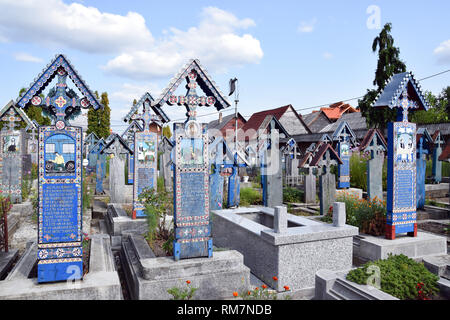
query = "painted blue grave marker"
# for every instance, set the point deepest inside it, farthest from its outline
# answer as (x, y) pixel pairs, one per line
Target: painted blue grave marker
(191, 163)
(345, 140)
(145, 150)
(128, 136)
(60, 172)
(402, 92)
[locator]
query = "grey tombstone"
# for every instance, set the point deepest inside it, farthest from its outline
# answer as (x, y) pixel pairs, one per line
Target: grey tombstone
(118, 149)
(270, 163)
(376, 145)
(437, 151)
(274, 180)
(324, 158)
(309, 186)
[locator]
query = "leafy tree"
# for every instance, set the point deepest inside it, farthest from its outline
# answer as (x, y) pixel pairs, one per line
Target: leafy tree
(166, 132)
(438, 112)
(35, 113)
(99, 120)
(389, 64)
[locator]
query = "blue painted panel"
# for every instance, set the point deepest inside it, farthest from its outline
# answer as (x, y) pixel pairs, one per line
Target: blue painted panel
(216, 191)
(145, 178)
(437, 165)
(344, 168)
(234, 186)
(60, 271)
(60, 211)
(131, 165)
(144, 162)
(100, 174)
(401, 186)
(193, 196)
(191, 192)
(60, 204)
(421, 169)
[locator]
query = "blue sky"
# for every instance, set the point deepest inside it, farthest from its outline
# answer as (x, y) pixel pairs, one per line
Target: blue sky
(302, 53)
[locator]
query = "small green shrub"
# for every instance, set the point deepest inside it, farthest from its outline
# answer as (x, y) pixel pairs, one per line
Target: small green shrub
(358, 170)
(186, 293)
(292, 195)
(156, 205)
(26, 186)
(88, 191)
(400, 277)
(34, 171)
(250, 196)
(368, 215)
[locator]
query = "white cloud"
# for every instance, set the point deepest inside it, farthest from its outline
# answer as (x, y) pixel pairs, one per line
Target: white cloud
(215, 42)
(26, 57)
(442, 52)
(75, 26)
(219, 39)
(327, 55)
(307, 26)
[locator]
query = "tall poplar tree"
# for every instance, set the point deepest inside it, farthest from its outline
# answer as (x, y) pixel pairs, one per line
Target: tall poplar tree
(389, 63)
(99, 121)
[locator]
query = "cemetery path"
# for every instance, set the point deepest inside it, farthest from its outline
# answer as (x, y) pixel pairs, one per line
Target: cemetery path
(27, 231)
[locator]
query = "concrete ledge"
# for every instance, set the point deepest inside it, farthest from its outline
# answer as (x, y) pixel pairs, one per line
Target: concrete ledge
(439, 265)
(293, 256)
(333, 286)
(6, 260)
(101, 283)
(150, 278)
(117, 221)
(425, 244)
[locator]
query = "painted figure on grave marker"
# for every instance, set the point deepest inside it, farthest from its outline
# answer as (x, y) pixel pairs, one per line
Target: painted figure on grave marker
(60, 155)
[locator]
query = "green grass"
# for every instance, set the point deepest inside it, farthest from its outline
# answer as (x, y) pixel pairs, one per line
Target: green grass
(250, 196)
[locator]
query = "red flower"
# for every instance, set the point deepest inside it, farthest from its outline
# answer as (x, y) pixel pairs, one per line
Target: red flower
(275, 278)
(256, 288)
(235, 294)
(188, 281)
(264, 286)
(286, 288)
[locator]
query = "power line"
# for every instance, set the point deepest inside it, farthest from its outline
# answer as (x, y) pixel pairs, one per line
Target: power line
(301, 109)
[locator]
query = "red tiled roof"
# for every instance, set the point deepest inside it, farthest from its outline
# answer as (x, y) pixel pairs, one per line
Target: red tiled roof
(257, 118)
(336, 110)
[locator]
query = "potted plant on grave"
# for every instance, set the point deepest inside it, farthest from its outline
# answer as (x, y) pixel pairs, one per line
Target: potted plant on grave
(157, 206)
